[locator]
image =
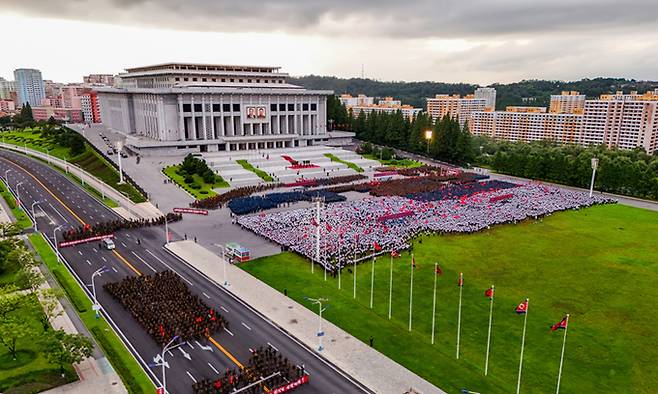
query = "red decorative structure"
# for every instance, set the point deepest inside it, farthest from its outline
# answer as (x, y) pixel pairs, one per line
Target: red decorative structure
(193, 211)
(290, 386)
(295, 165)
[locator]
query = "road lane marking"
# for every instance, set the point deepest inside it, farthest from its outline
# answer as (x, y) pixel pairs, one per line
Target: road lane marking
(190, 345)
(143, 261)
(58, 212)
(167, 265)
(126, 262)
(191, 377)
(124, 245)
(104, 259)
(115, 270)
(246, 326)
(80, 253)
(213, 368)
(273, 347)
(206, 295)
(95, 251)
(88, 262)
(224, 309)
(230, 333)
(226, 353)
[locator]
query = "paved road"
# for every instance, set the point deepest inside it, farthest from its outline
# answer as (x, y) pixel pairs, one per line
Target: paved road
(64, 203)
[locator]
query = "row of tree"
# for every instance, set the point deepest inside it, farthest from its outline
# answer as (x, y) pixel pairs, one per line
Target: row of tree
(627, 172)
(448, 141)
(19, 310)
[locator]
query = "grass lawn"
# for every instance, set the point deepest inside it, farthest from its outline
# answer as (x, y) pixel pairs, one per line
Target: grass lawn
(121, 359)
(21, 218)
(347, 163)
(31, 372)
(599, 264)
(403, 163)
(89, 160)
(262, 174)
(206, 189)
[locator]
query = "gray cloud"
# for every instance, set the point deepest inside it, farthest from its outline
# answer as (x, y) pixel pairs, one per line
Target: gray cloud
(407, 19)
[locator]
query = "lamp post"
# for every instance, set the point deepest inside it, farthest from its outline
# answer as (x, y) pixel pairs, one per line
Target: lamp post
(55, 240)
(428, 137)
(595, 165)
(36, 226)
(7, 179)
(221, 248)
(18, 194)
(166, 230)
(119, 147)
(96, 307)
(160, 361)
(320, 334)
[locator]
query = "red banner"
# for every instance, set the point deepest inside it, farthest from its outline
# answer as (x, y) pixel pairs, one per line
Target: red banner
(84, 241)
(193, 211)
(393, 216)
(501, 197)
(290, 386)
(385, 173)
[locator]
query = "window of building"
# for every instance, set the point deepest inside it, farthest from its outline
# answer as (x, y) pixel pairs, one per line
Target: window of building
(232, 80)
(249, 80)
(223, 79)
(226, 107)
(215, 107)
(187, 107)
(236, 107)
(305, 107)
(291, 107)
(314, 107)
(197, 108)
(204, 80)
(272, 107)
(280, 80)
(177, 79)
(282, 107)
(194, 79)
(186, 79)
(240, 80)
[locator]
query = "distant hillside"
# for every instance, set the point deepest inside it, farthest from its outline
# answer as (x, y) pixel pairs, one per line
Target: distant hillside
(531, 92)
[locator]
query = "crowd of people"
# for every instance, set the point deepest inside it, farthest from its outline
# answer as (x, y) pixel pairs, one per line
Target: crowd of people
(351, 230)
(111, 226)
(246, 205)
(264, 362)
(421, 184)
(164, 307)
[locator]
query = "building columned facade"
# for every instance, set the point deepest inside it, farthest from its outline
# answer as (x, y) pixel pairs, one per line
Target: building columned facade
(213, 108)
(29, 86)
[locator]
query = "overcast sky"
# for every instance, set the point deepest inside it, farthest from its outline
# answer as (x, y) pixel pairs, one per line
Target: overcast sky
(477, 41)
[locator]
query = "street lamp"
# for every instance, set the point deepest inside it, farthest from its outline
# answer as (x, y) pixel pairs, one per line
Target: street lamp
(7, 179)
(96, 307)
(160, 361)
(34, 217)
(55, 240)
(18, 194)
(119, 147)
(595, 165)
(428, 137)
(320, 334)
(220, 247)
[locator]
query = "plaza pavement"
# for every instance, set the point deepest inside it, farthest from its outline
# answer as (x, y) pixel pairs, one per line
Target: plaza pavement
(365, 364)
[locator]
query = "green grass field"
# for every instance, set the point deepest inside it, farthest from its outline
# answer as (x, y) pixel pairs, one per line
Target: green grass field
(399, 163)
(123, 362)
(347, 163)
(206, 189)
(599, 264)
(249, 167)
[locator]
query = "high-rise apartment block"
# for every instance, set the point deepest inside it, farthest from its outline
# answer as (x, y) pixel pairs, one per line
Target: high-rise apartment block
(99, 79)
(29, 86)
(618, 120)
(489, 96)
(7, 88)
(455, 105)
(365, 104)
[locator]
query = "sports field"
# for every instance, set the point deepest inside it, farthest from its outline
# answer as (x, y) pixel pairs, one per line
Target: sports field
(599, 264)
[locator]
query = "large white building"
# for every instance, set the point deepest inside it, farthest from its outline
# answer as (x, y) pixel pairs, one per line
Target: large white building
(204, 107)
(489, 96)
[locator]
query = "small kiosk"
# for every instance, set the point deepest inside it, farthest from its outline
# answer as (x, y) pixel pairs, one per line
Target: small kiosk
(236, 252)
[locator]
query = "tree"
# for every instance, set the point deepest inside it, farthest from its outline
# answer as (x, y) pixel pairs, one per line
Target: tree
(64, 349)
(48, 299)
(13, 328)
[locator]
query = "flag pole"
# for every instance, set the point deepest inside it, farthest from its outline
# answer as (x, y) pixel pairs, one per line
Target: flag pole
(339, 269)
(459, 311)
(372, 280)
(486, 360)
(390, 289)
(411, 292)
(434, 302)
(354, 262)
(317, 235)
(525, 320)
(564, 343)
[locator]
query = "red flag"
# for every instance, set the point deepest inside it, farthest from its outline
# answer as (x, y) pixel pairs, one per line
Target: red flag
(438, 271)
(328, 227)
(314, 222)
(376, 246)
(489, 292)
(413, 262)
(394, 253)
(460, 281)
(562, 325)
(522, 308)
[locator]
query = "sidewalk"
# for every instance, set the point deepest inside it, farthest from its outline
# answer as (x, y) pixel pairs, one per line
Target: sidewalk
(357, 359)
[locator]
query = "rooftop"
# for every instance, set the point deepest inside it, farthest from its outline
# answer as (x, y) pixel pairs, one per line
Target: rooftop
(203, 67)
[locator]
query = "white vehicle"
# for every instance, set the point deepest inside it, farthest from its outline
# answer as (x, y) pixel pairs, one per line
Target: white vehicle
(108, 243)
